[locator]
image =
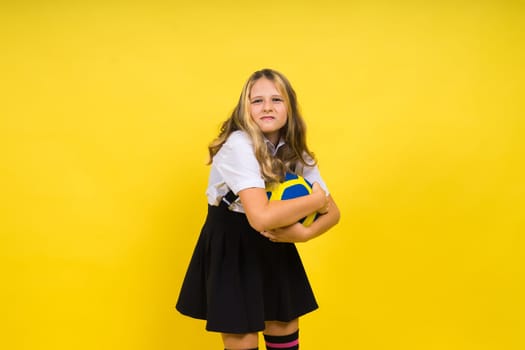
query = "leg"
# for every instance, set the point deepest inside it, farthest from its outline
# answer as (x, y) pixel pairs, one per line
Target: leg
(282, 335)
(248, 341)
(281, 328)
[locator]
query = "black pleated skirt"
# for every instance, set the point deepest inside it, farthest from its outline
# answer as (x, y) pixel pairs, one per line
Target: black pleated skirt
(237, 278)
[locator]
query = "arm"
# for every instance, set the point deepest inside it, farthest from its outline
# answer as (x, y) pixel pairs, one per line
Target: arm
(266, 215)
(299, 233)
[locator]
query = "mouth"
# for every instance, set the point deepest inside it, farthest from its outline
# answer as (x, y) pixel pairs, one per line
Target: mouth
(267, 117)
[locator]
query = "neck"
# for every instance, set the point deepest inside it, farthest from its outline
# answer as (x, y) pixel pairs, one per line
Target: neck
(274, 138)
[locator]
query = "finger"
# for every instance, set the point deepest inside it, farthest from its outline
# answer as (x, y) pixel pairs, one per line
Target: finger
(268, 235)
(265, 234)
(325, 209)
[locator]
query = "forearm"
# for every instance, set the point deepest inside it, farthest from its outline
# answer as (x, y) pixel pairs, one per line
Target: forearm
(324, 222)
(265, 215)
(287, 212)
(298, 233)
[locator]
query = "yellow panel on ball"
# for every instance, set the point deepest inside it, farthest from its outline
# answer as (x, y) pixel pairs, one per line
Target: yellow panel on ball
(293, 186)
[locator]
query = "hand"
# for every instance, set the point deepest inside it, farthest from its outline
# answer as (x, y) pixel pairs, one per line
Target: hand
(290, 234)
(324, 209)
(316, 188)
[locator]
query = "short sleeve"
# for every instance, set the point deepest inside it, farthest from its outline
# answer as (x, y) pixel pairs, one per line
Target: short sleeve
(237, 165)
(312, 174)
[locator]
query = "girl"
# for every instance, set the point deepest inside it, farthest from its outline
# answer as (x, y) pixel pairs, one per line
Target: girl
(245, 275)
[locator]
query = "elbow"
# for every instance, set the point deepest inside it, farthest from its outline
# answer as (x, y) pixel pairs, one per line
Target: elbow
(256, 222)
(337, 217)
(257, 227)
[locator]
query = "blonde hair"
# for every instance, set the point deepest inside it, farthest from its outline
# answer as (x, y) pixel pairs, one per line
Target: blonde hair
(294, 152)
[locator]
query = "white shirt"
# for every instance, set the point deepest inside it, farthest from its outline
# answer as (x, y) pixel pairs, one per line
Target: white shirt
(235, 167)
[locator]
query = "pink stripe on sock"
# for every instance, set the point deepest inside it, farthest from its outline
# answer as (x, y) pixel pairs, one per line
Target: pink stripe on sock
(283, 345)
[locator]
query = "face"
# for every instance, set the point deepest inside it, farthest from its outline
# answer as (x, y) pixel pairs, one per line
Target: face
(268, 108)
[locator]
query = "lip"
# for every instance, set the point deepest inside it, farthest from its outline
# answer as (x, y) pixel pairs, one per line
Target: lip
(266, 117)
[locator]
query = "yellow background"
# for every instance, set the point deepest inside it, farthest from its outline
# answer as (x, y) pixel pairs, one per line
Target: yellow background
(415, 111)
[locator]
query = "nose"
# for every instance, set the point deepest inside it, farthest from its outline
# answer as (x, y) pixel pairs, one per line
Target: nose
(267, 105)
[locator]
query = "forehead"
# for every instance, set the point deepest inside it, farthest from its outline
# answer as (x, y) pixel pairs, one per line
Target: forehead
(264, 86)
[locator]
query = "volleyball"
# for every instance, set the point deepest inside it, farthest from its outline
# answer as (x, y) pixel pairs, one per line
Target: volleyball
(293, 186)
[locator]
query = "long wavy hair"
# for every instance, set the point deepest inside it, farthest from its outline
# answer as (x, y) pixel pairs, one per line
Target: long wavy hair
(289, 157)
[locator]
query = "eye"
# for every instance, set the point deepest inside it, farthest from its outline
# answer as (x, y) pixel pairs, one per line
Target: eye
(257, 100)
(277, 99)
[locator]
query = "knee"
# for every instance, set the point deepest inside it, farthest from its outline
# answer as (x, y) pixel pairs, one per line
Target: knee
(246, 341)
(281, 328)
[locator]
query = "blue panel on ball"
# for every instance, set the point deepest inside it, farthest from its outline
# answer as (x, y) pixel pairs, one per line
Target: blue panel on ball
(290, 176)
(295, 191)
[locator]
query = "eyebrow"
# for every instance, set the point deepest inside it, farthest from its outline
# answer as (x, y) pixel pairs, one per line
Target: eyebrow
(259, 96)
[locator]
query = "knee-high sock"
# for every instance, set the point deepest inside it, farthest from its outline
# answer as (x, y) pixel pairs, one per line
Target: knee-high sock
(282, 342)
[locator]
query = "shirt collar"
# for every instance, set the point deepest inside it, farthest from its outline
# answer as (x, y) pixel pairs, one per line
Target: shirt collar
(273, 149)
